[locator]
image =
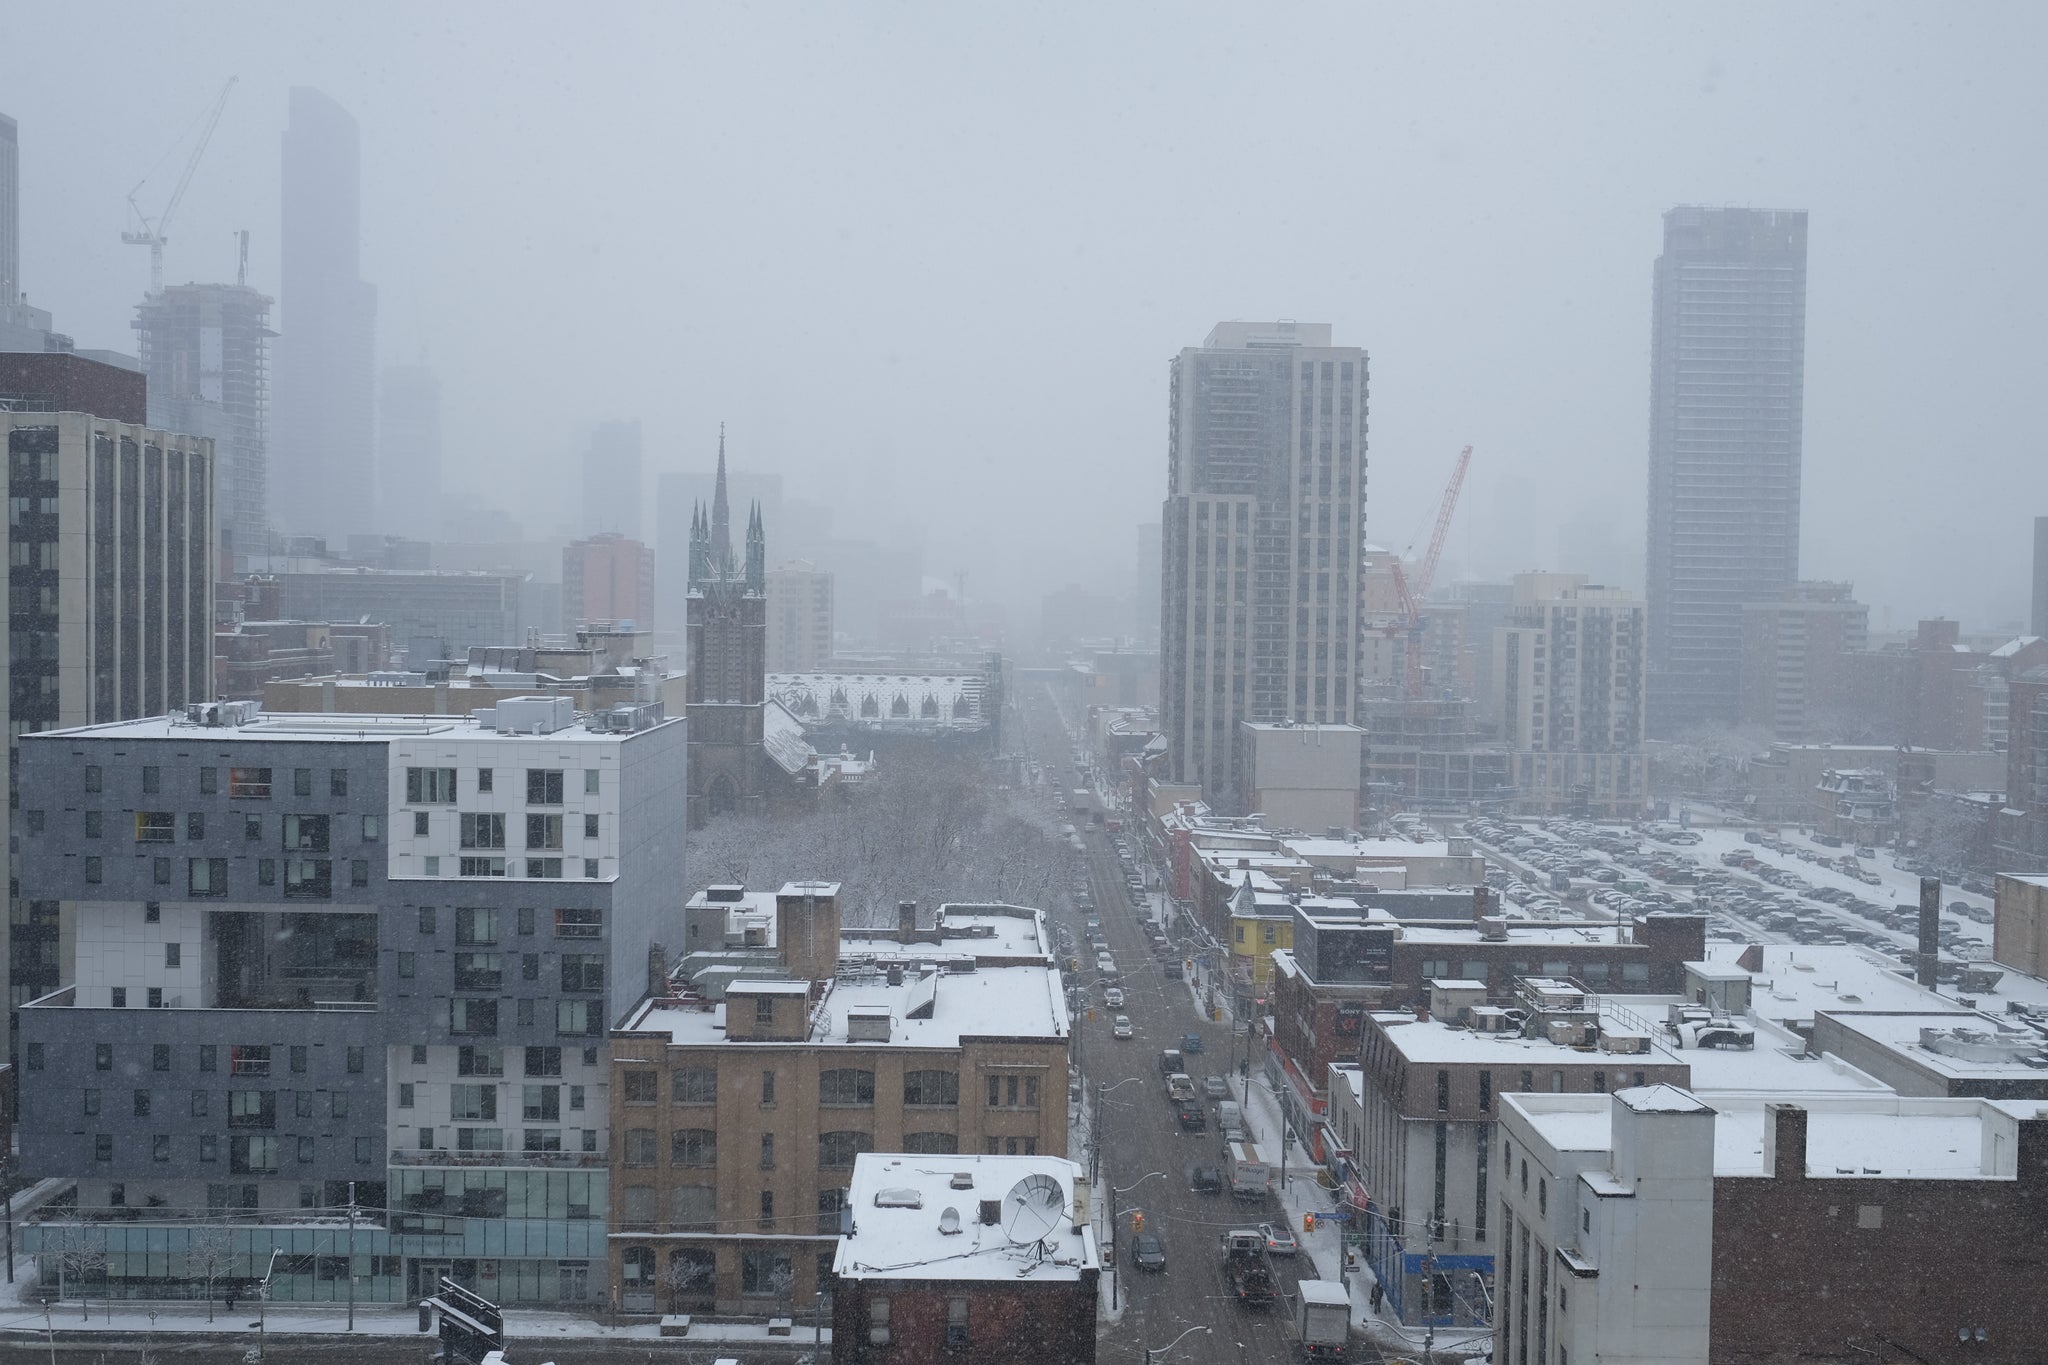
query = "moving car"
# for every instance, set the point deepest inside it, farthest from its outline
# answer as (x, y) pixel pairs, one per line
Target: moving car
(1122, 1027)
(1148, 1252)
(1215, 1088)
(1113, 997)
(1206, 1180)
(1279, 1239)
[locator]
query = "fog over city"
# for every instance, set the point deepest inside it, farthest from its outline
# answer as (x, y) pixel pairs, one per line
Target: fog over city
(929, 262)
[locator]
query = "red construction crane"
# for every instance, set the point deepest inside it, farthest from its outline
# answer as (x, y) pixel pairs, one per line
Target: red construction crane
(1413, 596)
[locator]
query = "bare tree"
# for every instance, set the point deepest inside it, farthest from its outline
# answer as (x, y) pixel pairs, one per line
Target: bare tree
(208, 1255)
(80, 1252)
(689, 1274)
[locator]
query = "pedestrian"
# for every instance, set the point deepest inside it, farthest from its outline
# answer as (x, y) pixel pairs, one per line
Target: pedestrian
(231, 1301)
(1377, 1295)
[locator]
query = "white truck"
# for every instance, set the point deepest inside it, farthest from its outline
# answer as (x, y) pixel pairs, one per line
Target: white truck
(1247, 1173)
(1322, 1320)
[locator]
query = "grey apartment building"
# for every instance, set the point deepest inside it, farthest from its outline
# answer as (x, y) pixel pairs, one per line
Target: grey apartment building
(1261, 540)
(1727, 398)
(323, 957)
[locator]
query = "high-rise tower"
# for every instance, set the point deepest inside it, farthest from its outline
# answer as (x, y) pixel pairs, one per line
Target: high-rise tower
(1727, 389)
(611, 480)
(322, 470)
(205, 351)
(409, 453)
(1260, 544)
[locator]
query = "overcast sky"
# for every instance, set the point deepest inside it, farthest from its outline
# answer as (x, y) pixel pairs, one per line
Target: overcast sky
(930, 261)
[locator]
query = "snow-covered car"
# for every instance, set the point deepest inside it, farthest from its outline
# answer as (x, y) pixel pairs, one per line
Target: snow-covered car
(1113, 997)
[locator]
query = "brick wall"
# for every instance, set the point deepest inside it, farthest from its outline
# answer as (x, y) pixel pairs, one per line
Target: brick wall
(1007, 1323)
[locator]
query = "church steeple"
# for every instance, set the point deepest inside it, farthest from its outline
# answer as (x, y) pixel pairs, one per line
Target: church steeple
(721, 522)
(757, 552)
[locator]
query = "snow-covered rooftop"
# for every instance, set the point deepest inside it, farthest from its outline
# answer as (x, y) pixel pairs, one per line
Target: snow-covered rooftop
(1365, 850)
(920, 1218)
(1797, 979)
(1955, 1046)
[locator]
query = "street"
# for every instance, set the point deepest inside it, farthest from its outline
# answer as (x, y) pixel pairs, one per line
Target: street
(1146, 1156)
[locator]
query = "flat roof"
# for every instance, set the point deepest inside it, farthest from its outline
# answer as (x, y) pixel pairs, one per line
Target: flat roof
(919, 1218)
(1797, 979)
(1020, 1002)
(1390, 850)
(333, 725)
(1982, 1049)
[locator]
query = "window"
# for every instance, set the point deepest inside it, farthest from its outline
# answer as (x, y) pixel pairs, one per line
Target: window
(766, 1274)
(543, 786)
(544, 868)
(142, 1104)
(481, 867)
(585, 972)
(541, 1103)
(767, 1088)
(209, 1147)
(1013, 1092)
(579, 923)
(337, 1104)
(429, 786)
(405, 1094)
(209, 781)
(209, 1056)
(590, 782)
(152, 912)
(578, 1018)
(1486, 1092)
(373, 828)
(956, 1324)
(479, 972)
(302, 781)
(590, 869)
(356, 1057)
(642, 1086)
(248, 784)
(483, 830)
(366, 1150)
(931, 1087)
(95, 823)
(195, 826)
(590, 826)
(206, 876)
(156, 997)
(407, 966)
(91, 1103)
(692, 1085)
(473, 1017)
(526, 920)
(529, 966)
(152, 779)
(161, 868)
(419, 1054)
(420, 824)
(575, 1098)
(693, 1147)
(470, 1102)
(92, 870)
(544, 1061)
(92, 777)
(118, 997)
(542, 1140)
(878, 1321)
(837, 1150)
(639, 1146)
(160, 1057)
(479, 1139)
(767, 1151)
(34, 1056)
(253, 1155)
(337, 782)
(846, 1086)
(543, 831)
(479, 1061)
(931, 1143)
(1600, 1082)
(103, 1147)
(302, 1104)
(693, 1206)
(764, 1009)
(252, 828)
(266, 872)
(476, 925)
(308, 877)
(426, 919)
(155, 827)
(174, 956)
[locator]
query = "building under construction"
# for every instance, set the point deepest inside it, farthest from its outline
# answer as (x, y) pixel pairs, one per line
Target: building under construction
(205, 351)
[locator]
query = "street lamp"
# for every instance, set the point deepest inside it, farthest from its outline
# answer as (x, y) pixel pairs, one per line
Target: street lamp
(1095, 1148)
(1116, 1273)
(1155, 1353)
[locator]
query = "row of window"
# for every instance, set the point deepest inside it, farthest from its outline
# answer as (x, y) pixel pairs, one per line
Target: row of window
(840, 1086)
(486, 971)
(486, 829)
(493, 1140)
(477, 1017)
(471, 1060)
(253, 1154)
(244, 784)
(535, 869)
(205, 878)
(538, 1103)
(244, 1059)
(481, 926)
(301, 833)
(438, 786)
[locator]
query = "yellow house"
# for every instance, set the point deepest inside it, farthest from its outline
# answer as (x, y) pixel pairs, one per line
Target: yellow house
(1261, 922)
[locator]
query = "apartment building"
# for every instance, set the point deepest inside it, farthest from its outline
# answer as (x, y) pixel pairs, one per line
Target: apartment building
(1570, 669)
(741, 1114)
(799, 617)
(1796, 652)
(378, 955)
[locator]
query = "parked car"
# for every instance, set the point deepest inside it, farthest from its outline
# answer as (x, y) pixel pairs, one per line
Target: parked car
(1215, 1088)
(1122, 1027)
(1279, 1239)
(1148, 1252)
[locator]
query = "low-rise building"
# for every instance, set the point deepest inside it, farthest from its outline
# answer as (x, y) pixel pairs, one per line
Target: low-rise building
(743, 1098)
(989, 1258)
(2019, 925)
(1651, 1224)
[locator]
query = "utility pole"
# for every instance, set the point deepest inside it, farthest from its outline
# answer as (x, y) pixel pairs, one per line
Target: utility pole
(351, 1255)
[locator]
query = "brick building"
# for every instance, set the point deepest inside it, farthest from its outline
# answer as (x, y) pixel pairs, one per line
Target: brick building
(984, 1258)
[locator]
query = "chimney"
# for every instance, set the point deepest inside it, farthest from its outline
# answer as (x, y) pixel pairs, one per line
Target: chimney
(906, 921)
(1927, 966)
(657, 971)
(1784, 1142)
(1482, 903)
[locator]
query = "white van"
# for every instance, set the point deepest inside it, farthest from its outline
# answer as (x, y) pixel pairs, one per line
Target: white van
(1230, 1120)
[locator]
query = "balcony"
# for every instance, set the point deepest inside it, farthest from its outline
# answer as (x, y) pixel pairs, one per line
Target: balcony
(449, 1157)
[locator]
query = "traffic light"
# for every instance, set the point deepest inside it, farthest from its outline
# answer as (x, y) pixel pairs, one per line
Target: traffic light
(1138, 1221)
(1308, 1222)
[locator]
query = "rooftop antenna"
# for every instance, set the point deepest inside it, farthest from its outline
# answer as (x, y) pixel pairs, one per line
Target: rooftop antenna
(155, 234)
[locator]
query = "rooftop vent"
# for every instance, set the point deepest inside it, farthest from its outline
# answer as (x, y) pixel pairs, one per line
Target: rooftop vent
(962, 1180)
(899, 1199)
(991, 1212)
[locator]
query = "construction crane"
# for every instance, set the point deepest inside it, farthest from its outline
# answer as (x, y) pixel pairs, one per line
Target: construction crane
(1411, 595)
(155, 234)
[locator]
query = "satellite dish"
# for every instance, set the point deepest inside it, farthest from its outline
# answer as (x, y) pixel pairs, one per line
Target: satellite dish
(949, 1222)
(1033, 1208)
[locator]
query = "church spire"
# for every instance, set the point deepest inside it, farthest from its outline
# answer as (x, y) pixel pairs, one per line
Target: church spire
(721, 521)
(757, 551)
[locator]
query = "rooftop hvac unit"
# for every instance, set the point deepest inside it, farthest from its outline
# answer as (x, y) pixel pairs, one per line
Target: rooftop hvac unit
(867, 1024)
(1624, 1042)
(1567, 1032)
